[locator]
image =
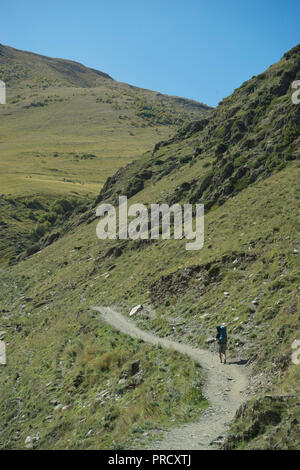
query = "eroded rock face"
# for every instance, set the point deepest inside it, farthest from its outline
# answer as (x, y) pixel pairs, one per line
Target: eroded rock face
(253, 418)
(180, 281)
(134, 367)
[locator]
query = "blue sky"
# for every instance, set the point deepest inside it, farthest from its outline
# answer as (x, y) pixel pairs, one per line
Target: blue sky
(200, 49)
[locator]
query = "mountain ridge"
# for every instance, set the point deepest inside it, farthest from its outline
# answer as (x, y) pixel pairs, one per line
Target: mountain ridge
(75, 67)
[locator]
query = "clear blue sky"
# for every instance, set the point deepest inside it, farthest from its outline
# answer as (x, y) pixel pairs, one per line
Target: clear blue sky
(200, 49)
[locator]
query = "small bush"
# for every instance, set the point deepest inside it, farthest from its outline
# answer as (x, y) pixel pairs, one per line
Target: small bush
(108, 359)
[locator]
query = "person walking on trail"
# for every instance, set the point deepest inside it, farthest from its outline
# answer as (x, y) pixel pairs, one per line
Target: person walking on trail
(221, 337)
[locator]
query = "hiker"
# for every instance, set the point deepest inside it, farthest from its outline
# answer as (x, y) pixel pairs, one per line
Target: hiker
(221, 337)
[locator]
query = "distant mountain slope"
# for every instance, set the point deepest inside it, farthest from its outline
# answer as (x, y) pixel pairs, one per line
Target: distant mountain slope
(23, 68)
(28, 68)
(67, 127)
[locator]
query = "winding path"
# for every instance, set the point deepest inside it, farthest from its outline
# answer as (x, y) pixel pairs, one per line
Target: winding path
(224, 388)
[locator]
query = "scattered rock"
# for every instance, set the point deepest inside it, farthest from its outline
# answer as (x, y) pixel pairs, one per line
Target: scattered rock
(135, 310)
(296, 344)
(28, 442)
(218, 441)
(210, 340)
(2, 353)
(58, 407)
(205, 315)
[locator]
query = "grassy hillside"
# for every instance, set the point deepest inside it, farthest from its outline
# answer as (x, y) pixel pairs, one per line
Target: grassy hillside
(243, 163)
(66, 128)
(26, 222)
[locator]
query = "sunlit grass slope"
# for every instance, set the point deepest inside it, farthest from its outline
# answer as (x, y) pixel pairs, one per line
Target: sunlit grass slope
(66, 128)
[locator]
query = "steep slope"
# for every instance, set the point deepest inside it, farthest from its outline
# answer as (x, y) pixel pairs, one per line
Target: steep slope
(247, 274)
(251, 134)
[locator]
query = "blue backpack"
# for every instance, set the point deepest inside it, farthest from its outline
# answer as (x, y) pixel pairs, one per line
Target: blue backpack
(223, 335)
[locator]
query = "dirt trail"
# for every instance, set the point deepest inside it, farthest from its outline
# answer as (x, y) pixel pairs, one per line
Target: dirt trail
(224, 388)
